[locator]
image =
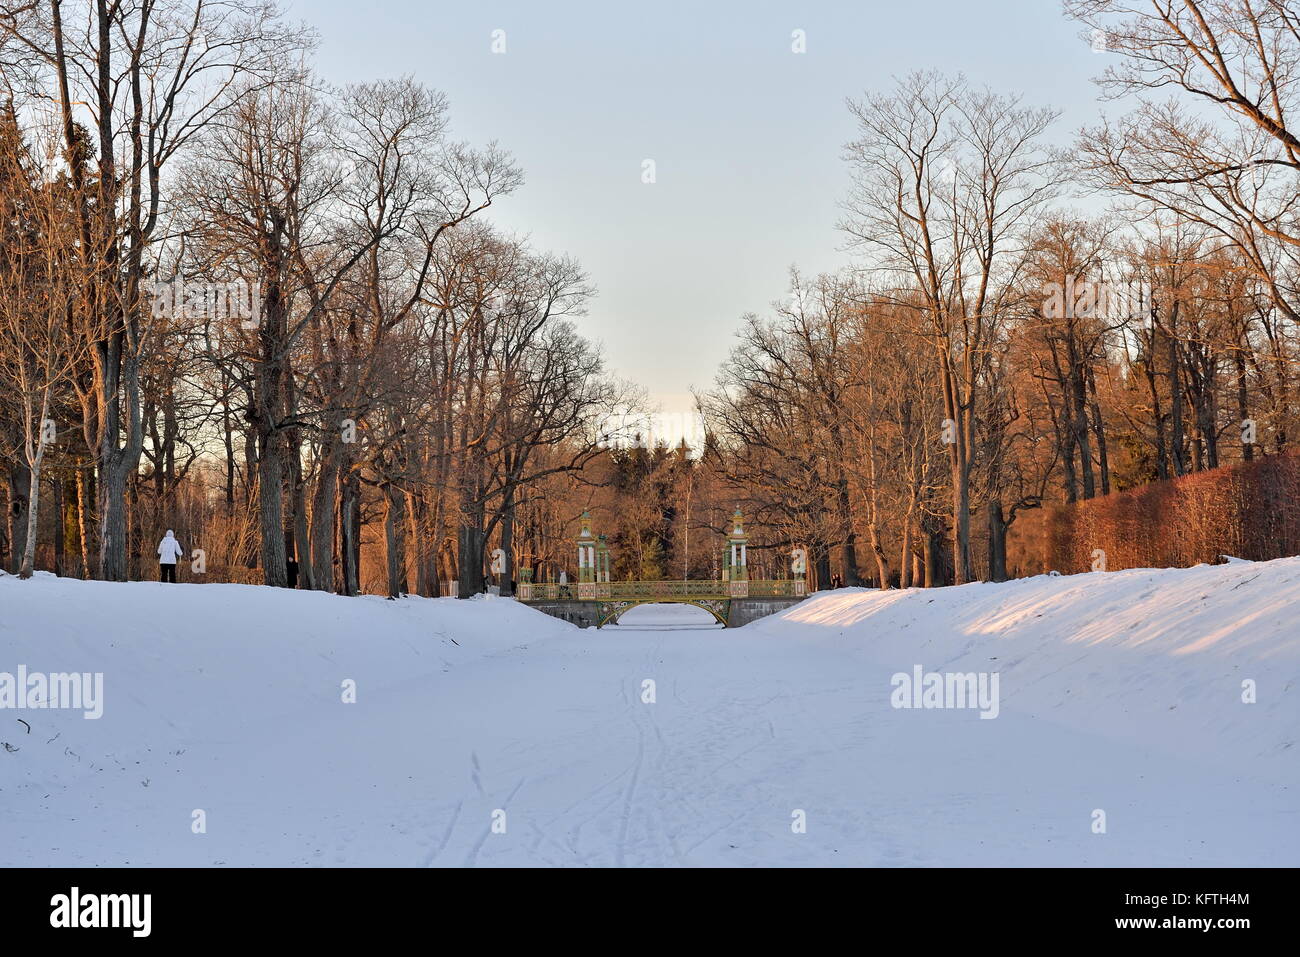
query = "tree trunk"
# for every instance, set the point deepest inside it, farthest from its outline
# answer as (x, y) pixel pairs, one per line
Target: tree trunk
(470, 574)
(508, 543)
(20, 485)
(323, 506)
(112, 522)
(28, 565)
(1243, 406)
(997, 542)
(823, 565)
(959, 461)
(933, 553)
(883, 571)
(270, 486)
(83, 525)
(60, 511)
(1157, 416)
(250, 484)
(1079, 426)
(394, 541)
(849, 553)
(961, 558)
(349, 532)
(1071, 476)
(905, 552)
(421, 547)
(296, 544)
(1099, 430)
(228, 446)
(302, 539)
(1176, 438)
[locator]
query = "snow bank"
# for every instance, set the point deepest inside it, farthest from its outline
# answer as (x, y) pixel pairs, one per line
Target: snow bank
(1118, 693)
(1159, 655)
(181, 662)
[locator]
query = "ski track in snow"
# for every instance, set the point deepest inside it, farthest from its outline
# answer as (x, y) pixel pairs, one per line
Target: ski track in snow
(1125, 701)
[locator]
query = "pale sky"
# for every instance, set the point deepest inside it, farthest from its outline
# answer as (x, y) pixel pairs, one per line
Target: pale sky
(745, 134)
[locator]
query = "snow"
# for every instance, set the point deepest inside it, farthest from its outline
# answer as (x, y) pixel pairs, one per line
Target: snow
(1119, 692)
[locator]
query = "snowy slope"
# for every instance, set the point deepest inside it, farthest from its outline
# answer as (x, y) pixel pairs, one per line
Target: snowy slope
(1118, 692)
(1156, 655)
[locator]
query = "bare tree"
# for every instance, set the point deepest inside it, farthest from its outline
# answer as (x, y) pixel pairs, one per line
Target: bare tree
(946, 181)
(40, 349)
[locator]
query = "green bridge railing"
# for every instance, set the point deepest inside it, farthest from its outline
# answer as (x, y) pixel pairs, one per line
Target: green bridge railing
(667, 591)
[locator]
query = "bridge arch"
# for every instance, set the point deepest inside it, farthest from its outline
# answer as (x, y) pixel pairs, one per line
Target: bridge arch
(611, 611)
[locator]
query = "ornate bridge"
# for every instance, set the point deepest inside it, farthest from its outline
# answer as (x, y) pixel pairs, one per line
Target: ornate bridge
(595, 600)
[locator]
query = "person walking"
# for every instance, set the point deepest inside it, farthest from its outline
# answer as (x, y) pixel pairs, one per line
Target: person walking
(168, 551)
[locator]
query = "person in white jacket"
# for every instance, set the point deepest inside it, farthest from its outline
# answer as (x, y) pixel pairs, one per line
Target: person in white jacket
(168, 551)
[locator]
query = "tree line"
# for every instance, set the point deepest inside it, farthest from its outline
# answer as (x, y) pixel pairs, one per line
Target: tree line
(995, 347)
(275, 314)
(265, 310)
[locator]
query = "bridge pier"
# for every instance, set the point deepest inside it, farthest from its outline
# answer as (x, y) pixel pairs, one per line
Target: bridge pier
(584, 614)
(745, 610)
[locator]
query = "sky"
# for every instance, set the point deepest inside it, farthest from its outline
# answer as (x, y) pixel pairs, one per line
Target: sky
(745, 134)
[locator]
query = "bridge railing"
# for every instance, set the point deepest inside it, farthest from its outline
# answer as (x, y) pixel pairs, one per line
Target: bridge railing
(670, 590)
(542, 591)
(779, 588)
(667, 589)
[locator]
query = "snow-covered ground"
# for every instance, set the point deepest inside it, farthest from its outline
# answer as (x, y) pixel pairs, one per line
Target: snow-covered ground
(1120, 693)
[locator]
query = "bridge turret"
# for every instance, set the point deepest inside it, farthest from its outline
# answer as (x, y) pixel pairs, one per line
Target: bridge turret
(586, 559)
(586, 551)
(738, 557)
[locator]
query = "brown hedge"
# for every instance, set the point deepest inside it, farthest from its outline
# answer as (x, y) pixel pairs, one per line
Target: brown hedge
(1249, 511)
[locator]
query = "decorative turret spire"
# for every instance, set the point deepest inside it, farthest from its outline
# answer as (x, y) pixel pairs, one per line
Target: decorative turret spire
(586, 551)
(737, 550)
